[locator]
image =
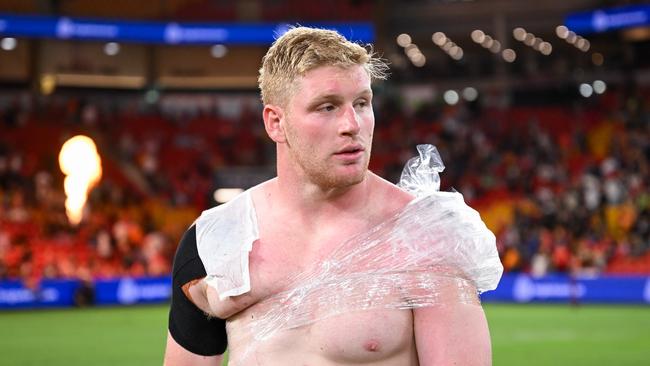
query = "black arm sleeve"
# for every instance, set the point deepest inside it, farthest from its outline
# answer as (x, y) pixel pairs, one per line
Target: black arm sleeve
(190, 326)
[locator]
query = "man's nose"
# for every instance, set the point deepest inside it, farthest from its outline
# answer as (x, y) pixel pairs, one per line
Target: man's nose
(350, 121)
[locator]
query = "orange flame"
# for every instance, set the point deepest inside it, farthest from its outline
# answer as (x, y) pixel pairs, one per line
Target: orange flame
(80, 162)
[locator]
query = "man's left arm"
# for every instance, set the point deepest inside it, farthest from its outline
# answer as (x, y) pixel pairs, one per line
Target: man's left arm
(452, 334)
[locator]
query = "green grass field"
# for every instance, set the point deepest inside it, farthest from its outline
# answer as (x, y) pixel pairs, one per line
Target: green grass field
(521, 335)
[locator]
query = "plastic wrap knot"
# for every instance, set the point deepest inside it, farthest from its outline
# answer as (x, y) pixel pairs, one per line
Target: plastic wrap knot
(421, 175)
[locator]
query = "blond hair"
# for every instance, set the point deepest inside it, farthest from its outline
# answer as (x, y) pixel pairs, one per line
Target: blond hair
(302, 49)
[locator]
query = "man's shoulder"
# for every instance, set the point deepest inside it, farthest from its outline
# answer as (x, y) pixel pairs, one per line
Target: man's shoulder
(241, 203)
(231, 218)
(389, 192)
(233, 204)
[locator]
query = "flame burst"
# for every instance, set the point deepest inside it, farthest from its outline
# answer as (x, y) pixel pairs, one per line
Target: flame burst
(80, 162)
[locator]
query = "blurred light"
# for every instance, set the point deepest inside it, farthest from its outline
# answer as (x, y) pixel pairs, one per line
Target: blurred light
(580, 43)
(410, 46)
(456, 53)
(453, 50)
(599, 86)
(451, 97)
(597, 58)
(412, 51)
(470, 94)
(509, 55)
(447, 46)
(586, 45)
(152, 96)
(529, 39)
(496, 47)
(537, 42)
(403, 40)
(586, 90)
(47, 84)
(478, 36)
(545, 48)
(8, 43)
(112, 48)
(439, 38)
(223, 195)
(415, 57)
(487, 42)
(419, 60)
(562, 31)
(571, 37)
(80, 162)
(519, 34)
(218, 50)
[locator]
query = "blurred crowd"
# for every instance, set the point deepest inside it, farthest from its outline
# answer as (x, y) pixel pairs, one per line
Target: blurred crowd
(564, 188)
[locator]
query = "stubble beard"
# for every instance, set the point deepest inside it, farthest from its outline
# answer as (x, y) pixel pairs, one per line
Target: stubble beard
(322, 171)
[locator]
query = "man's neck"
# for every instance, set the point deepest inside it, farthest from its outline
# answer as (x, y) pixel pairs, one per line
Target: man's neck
(308, 199)
(312, 197)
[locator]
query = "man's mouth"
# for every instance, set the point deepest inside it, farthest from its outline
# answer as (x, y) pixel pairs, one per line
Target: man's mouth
(350, 151)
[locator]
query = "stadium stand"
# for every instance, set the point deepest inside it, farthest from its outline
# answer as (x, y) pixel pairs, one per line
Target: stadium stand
(564, 188)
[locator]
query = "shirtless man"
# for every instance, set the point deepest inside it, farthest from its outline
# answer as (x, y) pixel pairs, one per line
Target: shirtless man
(316, 89)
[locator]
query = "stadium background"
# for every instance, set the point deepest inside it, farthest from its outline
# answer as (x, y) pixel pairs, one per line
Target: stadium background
(551, 147)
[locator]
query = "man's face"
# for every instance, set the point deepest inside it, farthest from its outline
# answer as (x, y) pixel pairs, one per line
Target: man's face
(329, 125)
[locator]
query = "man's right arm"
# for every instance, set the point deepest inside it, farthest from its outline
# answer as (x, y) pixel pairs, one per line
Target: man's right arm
(193, 338)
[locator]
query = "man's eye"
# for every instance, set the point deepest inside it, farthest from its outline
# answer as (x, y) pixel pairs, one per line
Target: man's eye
(362, 103)
(327, 108)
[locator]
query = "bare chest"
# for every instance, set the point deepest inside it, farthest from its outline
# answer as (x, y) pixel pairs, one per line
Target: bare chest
(364, 336)
(312, 328)
(278, 260)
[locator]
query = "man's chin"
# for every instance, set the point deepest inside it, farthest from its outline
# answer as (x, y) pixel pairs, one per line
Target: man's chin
(348, 179)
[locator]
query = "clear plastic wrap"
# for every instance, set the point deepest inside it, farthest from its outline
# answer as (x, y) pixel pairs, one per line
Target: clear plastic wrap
(435, 251)
(421, 174)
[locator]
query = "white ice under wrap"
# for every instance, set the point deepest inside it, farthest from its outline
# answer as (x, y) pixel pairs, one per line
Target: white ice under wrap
(224, 239)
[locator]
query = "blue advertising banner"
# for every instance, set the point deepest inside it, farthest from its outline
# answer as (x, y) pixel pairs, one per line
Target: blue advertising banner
(127, 291)
(519, 288)
(523, 288)
(604, 20)
(61, 293)
(164, 33)
(50, 293)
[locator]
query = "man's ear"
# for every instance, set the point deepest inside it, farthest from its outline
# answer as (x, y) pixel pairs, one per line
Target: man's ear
(274, 122)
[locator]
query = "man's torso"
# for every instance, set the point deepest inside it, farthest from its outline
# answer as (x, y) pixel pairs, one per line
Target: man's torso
(287, 248)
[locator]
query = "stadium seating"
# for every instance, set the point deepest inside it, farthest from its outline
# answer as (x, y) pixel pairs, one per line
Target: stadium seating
(563, 188)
